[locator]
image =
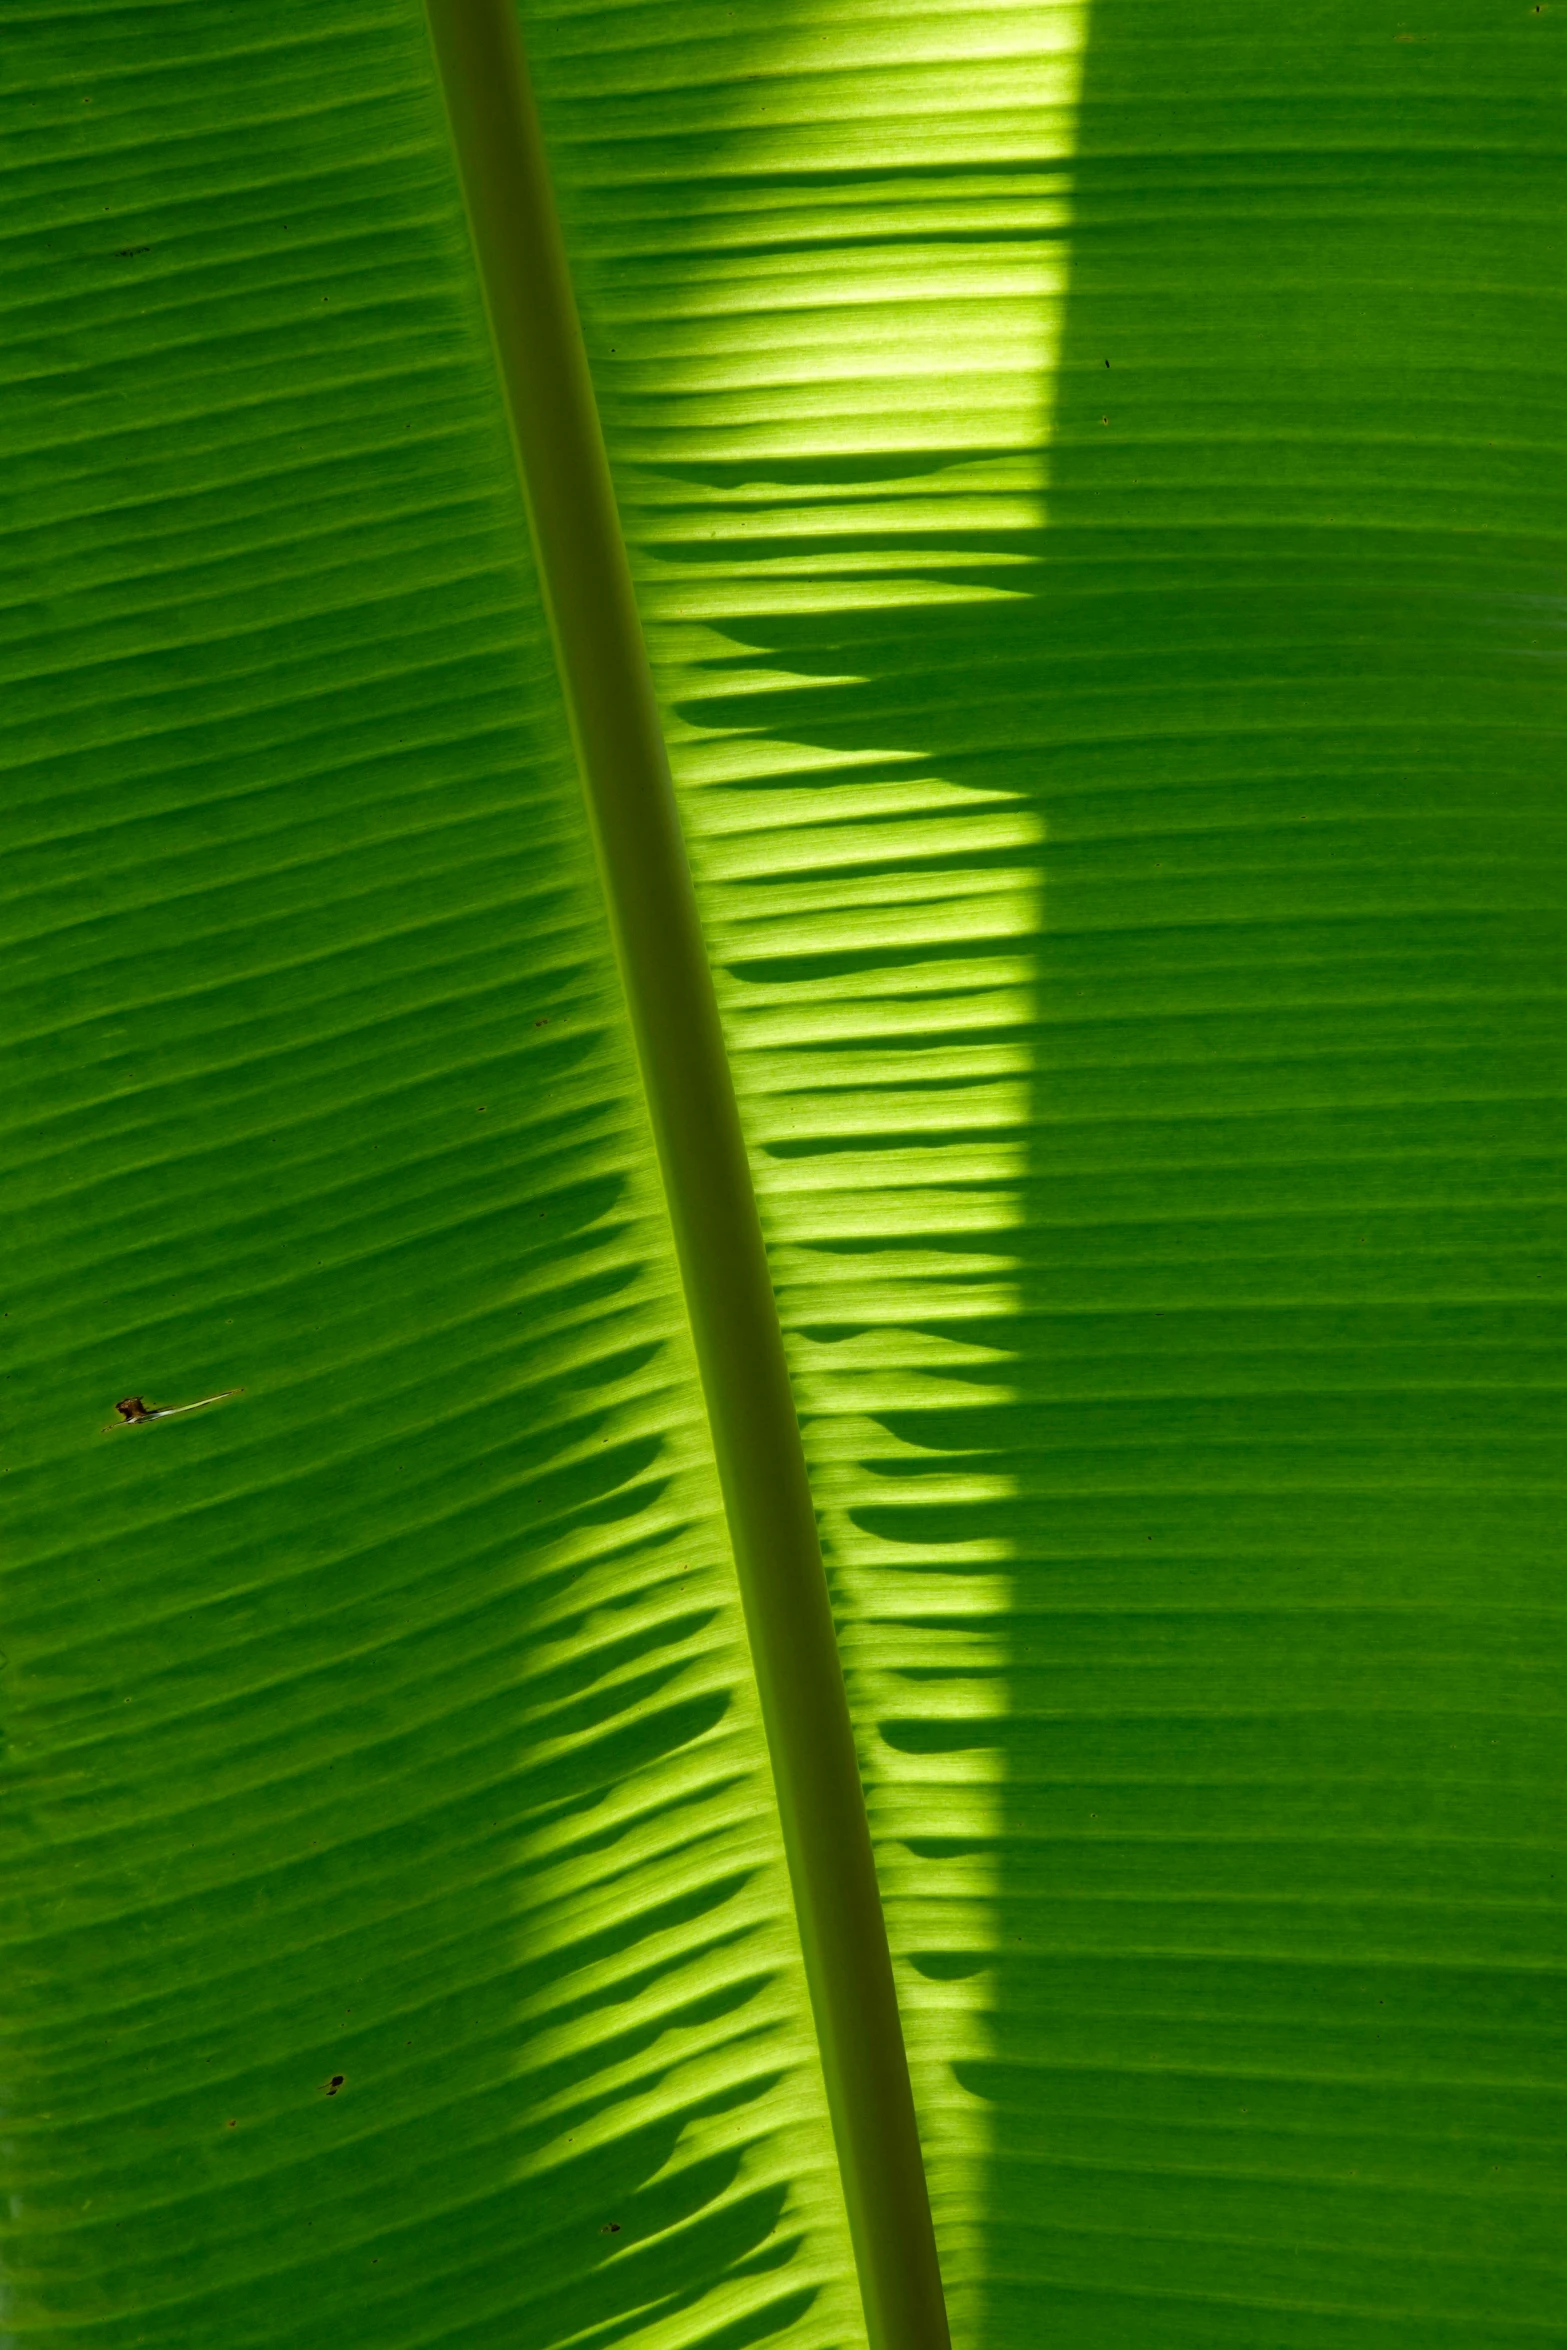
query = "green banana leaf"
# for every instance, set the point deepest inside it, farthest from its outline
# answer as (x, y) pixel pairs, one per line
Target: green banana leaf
(1093, 475)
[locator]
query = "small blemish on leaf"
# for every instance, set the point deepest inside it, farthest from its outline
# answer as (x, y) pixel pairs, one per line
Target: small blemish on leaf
(135, 1408)
(611, 2227)
(337, 2081)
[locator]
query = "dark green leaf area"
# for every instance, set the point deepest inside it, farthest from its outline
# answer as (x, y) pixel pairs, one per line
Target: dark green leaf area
(383, 1911)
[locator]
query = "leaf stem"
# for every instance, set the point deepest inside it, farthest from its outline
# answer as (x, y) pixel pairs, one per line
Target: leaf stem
(707, 1179)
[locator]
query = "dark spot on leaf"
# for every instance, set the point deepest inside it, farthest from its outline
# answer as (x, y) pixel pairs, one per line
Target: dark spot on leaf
(132, 1408)
(335, 2083)
(611, 2227)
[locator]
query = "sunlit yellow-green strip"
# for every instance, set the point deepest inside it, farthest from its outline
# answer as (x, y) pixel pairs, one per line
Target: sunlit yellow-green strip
(674, 1016)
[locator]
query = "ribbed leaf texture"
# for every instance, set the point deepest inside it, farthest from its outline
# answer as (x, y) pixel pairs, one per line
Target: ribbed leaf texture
(1094, 476)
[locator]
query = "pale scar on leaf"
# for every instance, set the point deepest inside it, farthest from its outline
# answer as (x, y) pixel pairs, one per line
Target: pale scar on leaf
(134, 1408)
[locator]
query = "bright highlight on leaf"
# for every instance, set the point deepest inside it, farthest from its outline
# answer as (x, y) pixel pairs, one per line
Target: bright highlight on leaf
(828, 388)
(1124, 806)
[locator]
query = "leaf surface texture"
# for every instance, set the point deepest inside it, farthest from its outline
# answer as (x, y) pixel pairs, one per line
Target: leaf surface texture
(1094, 479)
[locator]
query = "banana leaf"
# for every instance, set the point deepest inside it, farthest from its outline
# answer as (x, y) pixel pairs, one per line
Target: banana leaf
(1092, 475)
